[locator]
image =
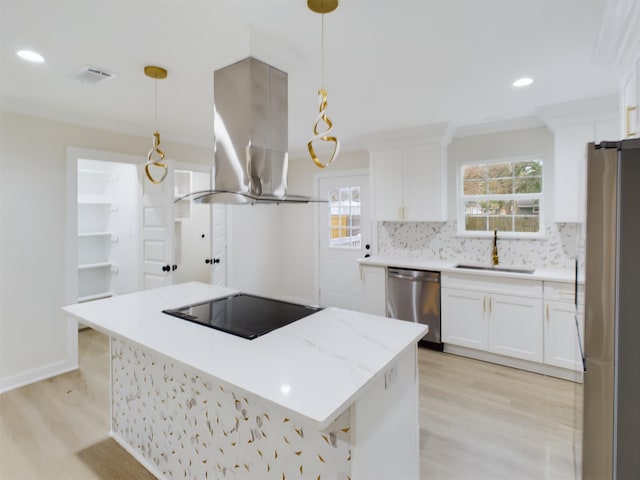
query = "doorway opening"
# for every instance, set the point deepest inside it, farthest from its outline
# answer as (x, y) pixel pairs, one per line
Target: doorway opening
(345, 235)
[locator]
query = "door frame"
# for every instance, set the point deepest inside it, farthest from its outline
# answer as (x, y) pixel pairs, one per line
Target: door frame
(316, 218)
(208, 168)
(73, 154)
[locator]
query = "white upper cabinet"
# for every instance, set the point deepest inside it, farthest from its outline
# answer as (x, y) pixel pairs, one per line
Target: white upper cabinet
(630, 105)
(574, 125)
(408, 171)
(616, 52)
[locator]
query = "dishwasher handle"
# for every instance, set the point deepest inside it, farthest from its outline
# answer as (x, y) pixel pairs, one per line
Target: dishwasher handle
(414, 275)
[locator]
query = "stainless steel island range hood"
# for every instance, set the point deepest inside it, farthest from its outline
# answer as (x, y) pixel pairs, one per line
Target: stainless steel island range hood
(251, 136)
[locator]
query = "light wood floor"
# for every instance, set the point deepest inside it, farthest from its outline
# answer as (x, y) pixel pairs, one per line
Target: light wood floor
(478, 421)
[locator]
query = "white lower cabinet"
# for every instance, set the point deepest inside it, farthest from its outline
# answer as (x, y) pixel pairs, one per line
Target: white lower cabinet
(374, 290)
(515, 328)
(464, 320)
(563, 327)
(501, 316)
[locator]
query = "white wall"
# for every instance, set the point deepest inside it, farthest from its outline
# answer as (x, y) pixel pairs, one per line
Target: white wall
(274, 247)
(255, 245)
(35, 340)
(299, 222)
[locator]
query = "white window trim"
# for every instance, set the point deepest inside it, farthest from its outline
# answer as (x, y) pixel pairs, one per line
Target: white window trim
(538, 196)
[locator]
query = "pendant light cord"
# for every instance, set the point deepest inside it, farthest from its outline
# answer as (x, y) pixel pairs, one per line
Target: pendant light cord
(322, 66)
(155, 150)
(155, 103)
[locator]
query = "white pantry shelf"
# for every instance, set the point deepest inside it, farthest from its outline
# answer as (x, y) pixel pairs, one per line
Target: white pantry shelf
(94, 234)
(95, 296)
(87, 266)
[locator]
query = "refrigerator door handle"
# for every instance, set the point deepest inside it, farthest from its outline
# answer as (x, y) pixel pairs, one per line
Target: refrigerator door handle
(584, 361)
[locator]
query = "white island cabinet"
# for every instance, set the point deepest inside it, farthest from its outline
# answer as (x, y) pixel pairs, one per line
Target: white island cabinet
(331, 396)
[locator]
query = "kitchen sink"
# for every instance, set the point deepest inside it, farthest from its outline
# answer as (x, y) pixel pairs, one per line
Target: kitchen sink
(496, 268)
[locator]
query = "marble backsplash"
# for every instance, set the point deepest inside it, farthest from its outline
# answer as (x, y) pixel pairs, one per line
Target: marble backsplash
(563, 242)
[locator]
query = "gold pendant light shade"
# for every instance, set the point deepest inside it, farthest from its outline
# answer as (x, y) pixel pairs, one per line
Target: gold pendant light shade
(323, 134)
(322, 6)
(155, 155)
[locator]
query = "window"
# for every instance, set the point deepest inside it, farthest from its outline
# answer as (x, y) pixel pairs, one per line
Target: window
(344, 218)
(503, 195)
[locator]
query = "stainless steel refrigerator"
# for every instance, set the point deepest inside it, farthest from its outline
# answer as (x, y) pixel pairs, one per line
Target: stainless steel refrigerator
(611, 425)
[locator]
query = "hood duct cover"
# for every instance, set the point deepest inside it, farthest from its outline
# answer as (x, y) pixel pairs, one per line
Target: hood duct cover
(251, 136)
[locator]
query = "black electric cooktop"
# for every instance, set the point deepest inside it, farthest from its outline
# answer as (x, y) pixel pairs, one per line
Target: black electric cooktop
(244, 315)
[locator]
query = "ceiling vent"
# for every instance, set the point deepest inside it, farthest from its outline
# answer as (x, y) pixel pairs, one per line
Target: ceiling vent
(93, 75)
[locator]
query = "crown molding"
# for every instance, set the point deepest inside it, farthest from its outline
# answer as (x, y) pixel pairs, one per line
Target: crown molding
(598, 109)
(499, 127)
(618, 45)
(440, 133)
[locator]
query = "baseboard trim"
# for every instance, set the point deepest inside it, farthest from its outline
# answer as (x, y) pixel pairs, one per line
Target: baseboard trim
(542, 369)
(37, 375)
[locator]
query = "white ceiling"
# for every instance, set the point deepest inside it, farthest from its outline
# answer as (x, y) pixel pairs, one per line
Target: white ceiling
(390, 63)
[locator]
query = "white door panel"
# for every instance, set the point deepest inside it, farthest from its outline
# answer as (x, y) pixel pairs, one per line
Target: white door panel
(219, 245)
(157, 231)
(344, 234)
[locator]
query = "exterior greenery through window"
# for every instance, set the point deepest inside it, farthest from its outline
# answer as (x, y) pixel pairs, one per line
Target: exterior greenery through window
(344, 217)
(502, 195)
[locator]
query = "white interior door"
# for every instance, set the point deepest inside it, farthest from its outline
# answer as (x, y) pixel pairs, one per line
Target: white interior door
(219, 245)
(157, 231)
(192, 228)
(345, 235)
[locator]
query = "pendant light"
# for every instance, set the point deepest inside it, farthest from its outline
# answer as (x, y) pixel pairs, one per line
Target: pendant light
(322, 7)
(155, 156)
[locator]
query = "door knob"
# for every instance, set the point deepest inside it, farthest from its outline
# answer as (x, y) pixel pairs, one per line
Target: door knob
(367, 246)
(166, 268)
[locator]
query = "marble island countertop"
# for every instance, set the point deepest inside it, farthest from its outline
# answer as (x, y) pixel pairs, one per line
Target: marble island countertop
(315, 367)
(541, 274)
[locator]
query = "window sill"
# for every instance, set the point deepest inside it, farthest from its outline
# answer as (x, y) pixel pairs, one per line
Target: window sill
(503, 235)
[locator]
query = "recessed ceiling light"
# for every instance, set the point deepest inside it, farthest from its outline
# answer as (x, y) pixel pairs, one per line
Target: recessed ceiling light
(31, 56)
(523, 82)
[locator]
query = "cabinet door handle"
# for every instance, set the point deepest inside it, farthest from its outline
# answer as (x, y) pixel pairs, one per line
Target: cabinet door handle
(547, 311)
(484, 302)
(490, 304)
(628, 131)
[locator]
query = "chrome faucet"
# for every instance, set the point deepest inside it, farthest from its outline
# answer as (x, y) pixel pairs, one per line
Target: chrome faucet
(494, 254)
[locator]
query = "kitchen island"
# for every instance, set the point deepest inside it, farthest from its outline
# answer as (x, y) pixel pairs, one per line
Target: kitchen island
(331, 396)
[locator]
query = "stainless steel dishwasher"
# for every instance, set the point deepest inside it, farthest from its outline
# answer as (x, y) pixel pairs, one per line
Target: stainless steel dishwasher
(414, 295)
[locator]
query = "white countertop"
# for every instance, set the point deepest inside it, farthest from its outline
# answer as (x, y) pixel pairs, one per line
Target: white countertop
(543, 274)
(315, 367)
